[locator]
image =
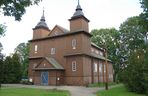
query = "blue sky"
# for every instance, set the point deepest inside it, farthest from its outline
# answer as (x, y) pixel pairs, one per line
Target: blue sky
(101, 13)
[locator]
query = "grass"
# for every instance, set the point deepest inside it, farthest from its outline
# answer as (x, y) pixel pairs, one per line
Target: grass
(100, 84)
(117, 91)
(32, 92)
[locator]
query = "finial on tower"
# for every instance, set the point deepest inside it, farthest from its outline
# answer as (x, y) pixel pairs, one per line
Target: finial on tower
(42, 22)
(43, 17)
(43, 11)
(78, 2)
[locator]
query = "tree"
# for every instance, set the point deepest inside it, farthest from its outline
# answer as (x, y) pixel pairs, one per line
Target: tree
(7, 70)
(23, 51)
(2, 29)
(11, 69)
(1, 71)
(16, 68)
(144, 14)
(134, 50)
(135, 75)
(109, 38)
(14, 8)
(132, 36)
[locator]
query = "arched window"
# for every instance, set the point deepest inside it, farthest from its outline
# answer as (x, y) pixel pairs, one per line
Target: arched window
(100, 67)
(74, 42)
(35, 48)
(95, 67)
(53, 51)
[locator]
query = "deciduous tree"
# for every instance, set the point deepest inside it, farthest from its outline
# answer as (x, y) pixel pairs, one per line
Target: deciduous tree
(109, 38)
(23, 51)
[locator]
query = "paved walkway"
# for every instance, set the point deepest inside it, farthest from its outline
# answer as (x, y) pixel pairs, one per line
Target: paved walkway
(74, 90)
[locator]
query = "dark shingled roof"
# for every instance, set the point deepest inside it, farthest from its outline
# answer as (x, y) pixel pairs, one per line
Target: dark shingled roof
(93, 44)
(54, 63)
(63, 29)
(42, 23)
(78, 13)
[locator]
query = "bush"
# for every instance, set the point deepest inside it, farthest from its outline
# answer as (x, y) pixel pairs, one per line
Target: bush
(135, 75)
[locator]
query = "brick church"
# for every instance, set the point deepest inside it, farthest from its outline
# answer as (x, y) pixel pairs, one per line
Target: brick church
(66, 57)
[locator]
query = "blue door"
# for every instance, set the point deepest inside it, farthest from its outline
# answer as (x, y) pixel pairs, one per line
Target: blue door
(44, 78)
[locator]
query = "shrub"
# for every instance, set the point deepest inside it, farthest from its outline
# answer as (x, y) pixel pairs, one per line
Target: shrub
(135, 75)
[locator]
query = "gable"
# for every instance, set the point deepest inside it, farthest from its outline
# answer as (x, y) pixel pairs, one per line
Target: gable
(57, 30)
(45, 64)
(49, 63)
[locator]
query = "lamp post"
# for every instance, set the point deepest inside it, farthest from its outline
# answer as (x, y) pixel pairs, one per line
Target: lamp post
(106, 68)
(106, 64)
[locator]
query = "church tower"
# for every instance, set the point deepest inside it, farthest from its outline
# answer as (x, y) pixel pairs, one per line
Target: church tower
(78, 21)
(41, 29)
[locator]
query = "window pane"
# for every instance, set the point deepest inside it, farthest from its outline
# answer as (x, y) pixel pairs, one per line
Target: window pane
(74, 66)
(35, 48)
(100, 67)
(95, 67)
(74, 44)
(52, 50)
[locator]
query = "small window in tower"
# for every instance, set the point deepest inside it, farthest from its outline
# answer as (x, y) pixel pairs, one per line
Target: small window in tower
(74, 43)
(95, 67)
(35, 48)
(74, 66)
(53, 51)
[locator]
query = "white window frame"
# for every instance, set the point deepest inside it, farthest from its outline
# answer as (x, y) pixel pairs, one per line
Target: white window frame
(34, 65)
(104, 68)
(74, 66)
(35, 48)
(100, 67)
(92, 49)
(95, 67)
(97, 52)
(74, 43)
(53, 51)
(101, 53)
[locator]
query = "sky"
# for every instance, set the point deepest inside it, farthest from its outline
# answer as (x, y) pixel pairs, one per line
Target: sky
(101, 13)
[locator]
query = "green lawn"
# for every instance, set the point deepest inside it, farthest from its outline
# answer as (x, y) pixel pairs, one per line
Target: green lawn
(31, 92)
(118, 91)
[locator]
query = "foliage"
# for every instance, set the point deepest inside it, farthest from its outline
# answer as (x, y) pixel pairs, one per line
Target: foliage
(144, 14)
(32, 92)
(132, 36)
(117, 91)
(133, 49)
(2, 29)
(109, 38)
(11, 69)
(23, 51)
(16, 8)
(16, 68)
(133, 75)
(1, 71)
